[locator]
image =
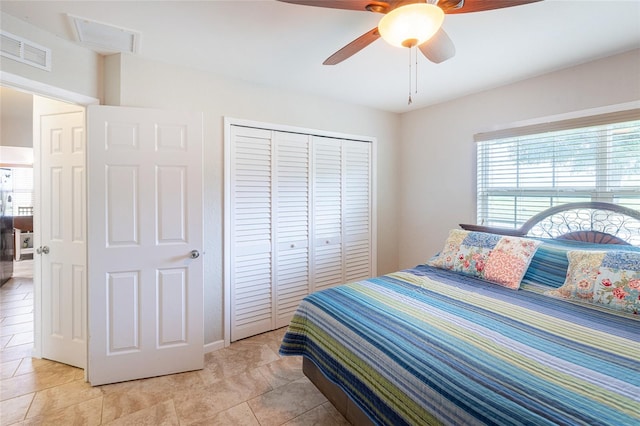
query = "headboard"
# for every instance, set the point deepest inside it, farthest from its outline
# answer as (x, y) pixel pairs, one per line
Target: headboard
(594, 222)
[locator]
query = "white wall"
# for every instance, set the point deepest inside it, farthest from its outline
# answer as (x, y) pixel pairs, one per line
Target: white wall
(74, 68)
(16, 119)
(437, 155)
(151, 84)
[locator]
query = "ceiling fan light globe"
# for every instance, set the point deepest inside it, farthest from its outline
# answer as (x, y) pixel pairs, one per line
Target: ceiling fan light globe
(411, 25)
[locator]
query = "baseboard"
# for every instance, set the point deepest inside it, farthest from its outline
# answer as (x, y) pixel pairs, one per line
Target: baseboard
(213, 346)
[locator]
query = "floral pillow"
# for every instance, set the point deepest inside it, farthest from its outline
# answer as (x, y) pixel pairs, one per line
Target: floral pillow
(448, 254)
(607, 278)
(509, 260)
(473, 253)
(499, 259)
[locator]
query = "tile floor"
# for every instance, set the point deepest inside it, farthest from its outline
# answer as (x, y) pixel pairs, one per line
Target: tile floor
(247, 383)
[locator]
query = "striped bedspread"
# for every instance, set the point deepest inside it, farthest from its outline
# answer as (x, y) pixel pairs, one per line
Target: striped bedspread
(425, 346)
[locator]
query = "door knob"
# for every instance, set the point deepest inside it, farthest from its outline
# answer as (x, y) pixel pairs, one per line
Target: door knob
(194, 254)
(43, 250)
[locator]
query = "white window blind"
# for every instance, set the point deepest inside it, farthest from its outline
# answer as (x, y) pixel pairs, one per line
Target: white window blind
(22, 191)
(523, 171)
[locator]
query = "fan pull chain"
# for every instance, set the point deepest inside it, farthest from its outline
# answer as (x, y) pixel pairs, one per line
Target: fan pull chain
(413, 50)
(409, 102)
(416, 55)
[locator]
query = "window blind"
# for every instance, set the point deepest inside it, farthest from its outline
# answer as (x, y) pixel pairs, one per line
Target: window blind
(22, 190)
(523, 171)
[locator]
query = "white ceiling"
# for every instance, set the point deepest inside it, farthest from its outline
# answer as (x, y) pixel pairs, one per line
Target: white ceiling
(283, 45)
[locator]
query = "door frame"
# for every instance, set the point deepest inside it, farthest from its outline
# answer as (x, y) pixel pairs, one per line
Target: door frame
(39, 88)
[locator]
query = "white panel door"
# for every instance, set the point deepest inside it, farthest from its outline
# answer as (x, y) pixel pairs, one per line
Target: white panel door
(327, 212)
(250, 243)
(145, 223)
(291, 223)
(63, 238)
(357, 211)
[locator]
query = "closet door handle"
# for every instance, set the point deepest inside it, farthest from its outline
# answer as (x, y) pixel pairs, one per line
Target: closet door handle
(43, 250)
(194, 254)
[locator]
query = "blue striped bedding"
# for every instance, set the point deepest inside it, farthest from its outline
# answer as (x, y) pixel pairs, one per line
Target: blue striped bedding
(427, 346)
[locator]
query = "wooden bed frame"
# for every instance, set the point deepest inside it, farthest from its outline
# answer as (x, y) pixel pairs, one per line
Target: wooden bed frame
(594, 222)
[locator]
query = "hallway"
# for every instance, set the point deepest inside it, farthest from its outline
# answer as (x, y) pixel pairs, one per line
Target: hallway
(16, 317)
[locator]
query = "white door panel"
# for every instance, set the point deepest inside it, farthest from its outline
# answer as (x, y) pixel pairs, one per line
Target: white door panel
(327, 211)
(62, 254)
(250, 251)
(357, 211)
(291, 219)
(145, 218)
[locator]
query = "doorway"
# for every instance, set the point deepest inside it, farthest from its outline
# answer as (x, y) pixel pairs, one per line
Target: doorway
(45, 322)
(140, 310)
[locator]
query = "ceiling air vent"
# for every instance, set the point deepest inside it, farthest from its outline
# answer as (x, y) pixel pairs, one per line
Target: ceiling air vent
(25, 51)
(104, 38)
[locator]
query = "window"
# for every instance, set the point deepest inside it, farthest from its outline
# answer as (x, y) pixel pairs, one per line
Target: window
(523, 171)
(22, 194)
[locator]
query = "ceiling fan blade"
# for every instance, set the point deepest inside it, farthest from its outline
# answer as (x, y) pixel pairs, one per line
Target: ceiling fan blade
(438, 48)
(364, 5)
(479, 5)
(354, 47)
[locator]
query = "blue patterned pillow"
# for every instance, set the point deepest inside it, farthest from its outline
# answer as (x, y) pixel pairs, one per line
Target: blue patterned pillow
(549, 264)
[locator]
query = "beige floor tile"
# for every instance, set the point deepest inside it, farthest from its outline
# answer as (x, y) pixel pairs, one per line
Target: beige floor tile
(86, 413)
(20, 339)
(15, 409)
(22, 303)
(15, 353)
(222, 395)
(8, 369)
(283, 371)
(286, 402)
(59, 397)
(33, 382)
(10, 285)
(4, 341)
(8, 330)
(128, 397)
(162, 414)
(339, 418)
(29, 365)
(319, 416)
(17, 312)
(131, 399)
(6, 297)
(18, 319)
(240, 415)
(236, 359)
(271, 338)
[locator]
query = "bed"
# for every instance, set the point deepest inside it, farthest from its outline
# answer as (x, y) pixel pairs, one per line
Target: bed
(464, 340)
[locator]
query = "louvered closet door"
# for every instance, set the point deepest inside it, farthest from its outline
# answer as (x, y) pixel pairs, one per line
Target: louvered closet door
(250, 243)
(299, 219)
(291, 219)
(357, 209)
(327, 212)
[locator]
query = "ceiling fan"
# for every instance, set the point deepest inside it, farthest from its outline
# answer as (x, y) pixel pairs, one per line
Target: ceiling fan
(438, 47)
